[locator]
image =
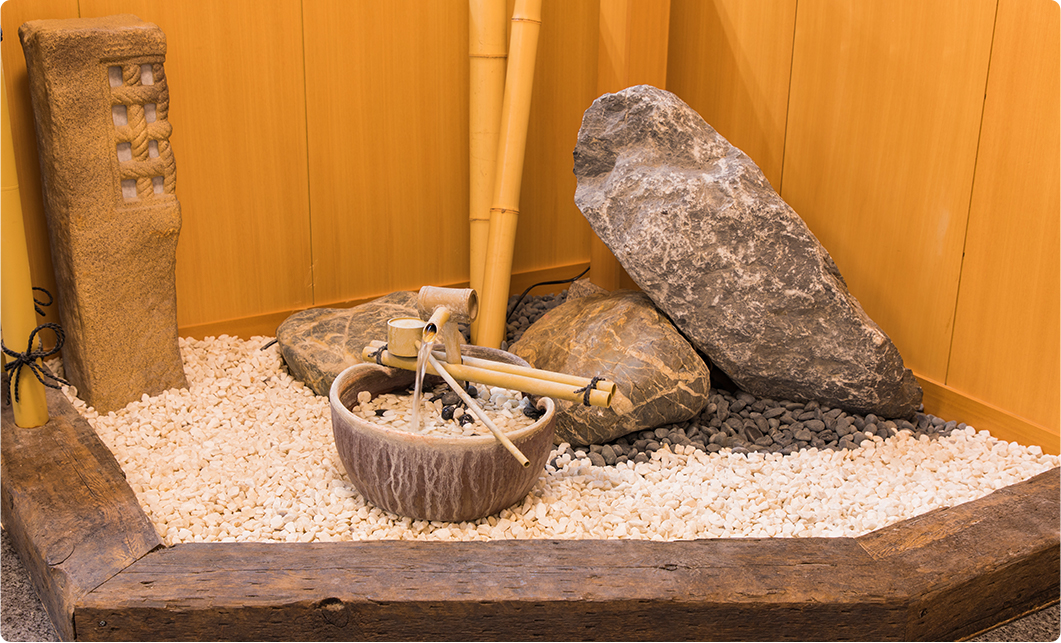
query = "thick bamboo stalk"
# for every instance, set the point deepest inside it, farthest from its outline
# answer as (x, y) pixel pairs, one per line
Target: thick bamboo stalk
(486, 82)
(18, 319)
(503, 367)
(475, 408)
(541, 386)
(504, 214)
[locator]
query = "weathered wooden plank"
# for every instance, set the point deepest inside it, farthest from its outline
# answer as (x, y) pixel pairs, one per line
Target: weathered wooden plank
(707, 590)
(989, 560)
(70, 514)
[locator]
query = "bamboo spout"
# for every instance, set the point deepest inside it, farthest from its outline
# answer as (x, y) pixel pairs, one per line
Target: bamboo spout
(442, 308)
(437, 320)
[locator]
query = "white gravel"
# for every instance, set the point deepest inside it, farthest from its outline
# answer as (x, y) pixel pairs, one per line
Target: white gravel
(246, 454)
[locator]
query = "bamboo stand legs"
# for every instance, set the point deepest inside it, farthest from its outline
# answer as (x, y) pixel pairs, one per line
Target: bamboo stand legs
(486, 79)
(19, 319)
(519, 81)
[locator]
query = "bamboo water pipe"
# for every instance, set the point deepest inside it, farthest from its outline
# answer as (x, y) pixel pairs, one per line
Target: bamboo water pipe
(529, 380)
(486, 84)
(512, 144)
(440, 305)
(16, 301)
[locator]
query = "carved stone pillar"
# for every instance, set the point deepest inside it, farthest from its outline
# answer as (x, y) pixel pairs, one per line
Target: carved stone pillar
(101, 104)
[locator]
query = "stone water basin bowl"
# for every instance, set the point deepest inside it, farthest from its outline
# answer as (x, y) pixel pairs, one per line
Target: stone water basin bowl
(429, 477)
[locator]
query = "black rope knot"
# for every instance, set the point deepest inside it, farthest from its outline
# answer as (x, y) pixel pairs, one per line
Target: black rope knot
(37, 303)
(29, 358)
(585, 390)
(378, 354)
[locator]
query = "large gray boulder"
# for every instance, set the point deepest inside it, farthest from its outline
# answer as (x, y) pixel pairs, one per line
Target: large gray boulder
(697, 226)
(622, 337)
(319, 343)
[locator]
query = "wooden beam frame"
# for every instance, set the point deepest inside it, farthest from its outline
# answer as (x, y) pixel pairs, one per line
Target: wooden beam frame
(98, 566)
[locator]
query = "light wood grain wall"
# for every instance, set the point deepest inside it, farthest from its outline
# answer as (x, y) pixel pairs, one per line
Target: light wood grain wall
(322, 157)
(321, 149)
(940, 208)
(1005, 346)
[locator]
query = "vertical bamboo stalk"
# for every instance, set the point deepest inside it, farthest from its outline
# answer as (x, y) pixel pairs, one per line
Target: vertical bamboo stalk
(16, 301)
(486, 80)
(515, 114)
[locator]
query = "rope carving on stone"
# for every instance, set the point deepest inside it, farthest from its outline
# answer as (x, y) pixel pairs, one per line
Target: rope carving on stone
(142, 128)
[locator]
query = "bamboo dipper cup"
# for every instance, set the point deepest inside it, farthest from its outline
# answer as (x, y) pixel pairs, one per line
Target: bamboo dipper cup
(404, 335)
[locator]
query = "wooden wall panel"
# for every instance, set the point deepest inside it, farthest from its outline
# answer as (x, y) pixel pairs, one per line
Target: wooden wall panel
(24, 135)
(388, 144)
(238, 111)
(1007, 323)
(387, 86)
(730, 61)
(882, 129)
(322, 159)
(632, 50)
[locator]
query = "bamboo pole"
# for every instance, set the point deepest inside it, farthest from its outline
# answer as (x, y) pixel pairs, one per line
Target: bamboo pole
(504, 367)
(474, 408)
(538, 383)
(486, 82)
(515, 114)
(16, 301)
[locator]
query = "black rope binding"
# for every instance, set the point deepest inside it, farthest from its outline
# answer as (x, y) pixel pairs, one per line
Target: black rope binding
(378, 354)
(586, 390)
(29, 358)
(37, 303)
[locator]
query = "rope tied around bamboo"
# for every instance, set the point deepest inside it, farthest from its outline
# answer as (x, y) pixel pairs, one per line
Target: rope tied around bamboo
(30, 357)
(588, 388)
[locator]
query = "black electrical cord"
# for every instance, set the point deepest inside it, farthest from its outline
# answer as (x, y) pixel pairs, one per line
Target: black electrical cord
(544, 283)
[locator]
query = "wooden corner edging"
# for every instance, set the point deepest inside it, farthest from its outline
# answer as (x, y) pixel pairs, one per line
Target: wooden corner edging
(98, 567)
(72, 517)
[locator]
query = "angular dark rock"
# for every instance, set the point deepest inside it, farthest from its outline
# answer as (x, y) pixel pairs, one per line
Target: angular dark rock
(622, 337)
(700, 230)
(319, 343)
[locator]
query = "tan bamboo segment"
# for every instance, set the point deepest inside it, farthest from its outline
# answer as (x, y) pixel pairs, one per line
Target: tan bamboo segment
(19, 320)
(458, 388)
(404, 335)
(563, 378)
(541, 386)
(486, 85)
(515, 113)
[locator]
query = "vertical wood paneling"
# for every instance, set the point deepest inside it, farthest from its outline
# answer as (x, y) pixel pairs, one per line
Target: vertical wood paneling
(387, 86)
(322, 155)
(24, 135)
(237, 106)
(883, 122)
(1006, 329)
(730, 61)
(552, 230)
(632, 51)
